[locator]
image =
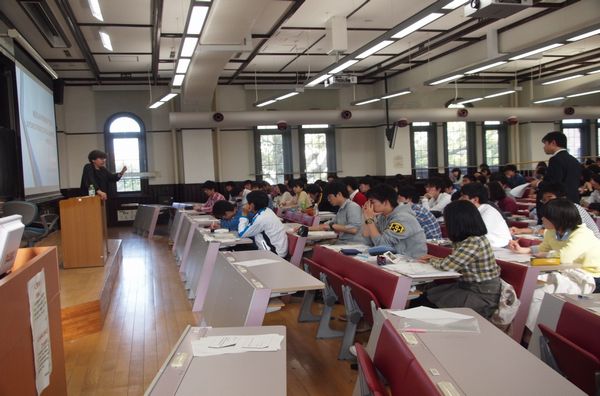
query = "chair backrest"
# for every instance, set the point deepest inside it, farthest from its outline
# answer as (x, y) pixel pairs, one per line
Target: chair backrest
(363, 298)
(27, 210)
(418, 382)
(368, 372)
(313, 268)
(393, 358)
(578, 365)
(443, 230)
(295, 248)
(438, 251)
(581, 327)
(518, 224)
(526, 242)
(514, 274)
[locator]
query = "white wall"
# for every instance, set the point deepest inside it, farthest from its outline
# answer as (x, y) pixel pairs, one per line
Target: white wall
(356, 151)
(198, 160)
(236, 155)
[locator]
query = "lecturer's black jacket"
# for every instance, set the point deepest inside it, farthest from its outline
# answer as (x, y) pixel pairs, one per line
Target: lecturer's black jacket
(98, 177)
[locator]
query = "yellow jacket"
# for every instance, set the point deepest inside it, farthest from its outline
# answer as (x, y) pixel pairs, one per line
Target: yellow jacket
(581, 247)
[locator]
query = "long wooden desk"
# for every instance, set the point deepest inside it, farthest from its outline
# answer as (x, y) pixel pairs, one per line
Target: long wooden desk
(485, 363)
(249, 373)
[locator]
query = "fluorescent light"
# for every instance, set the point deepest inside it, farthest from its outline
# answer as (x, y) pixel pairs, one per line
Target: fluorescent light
(469, 101)
(367, 101)
(315, 126)
(583, 93)
(289, 95)
(548, 100)
(318, 80)
(168, 97)
(482, 68)
(573, 121)
(451, 78)
(375, 48)
(268, 102)
(95, 9)
(266, 127)
(584, 35)
(562, 79)
(454, 4)
(197, 19)
(343, 66)
(189, 46)
(594, 71)
(499, 94)
(178, 80)
(182, 65)
(105, 38)
(395, 94)
(157, 104)
(417, 25)
(492, 123)
(536, 51)
(420, 123)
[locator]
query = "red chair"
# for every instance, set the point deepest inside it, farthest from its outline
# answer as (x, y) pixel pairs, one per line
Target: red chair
(295, 248)
(367, 373)
(438, 251)
(305, 314)
(526, 242)
(444, 230)
(579, 366)
(586, 336)
(518, 224)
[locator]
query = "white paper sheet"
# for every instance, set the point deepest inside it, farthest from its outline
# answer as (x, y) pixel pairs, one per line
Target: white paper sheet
(40, 330)
(220, 345)
(430, 314)
(509, 255)
(420, 270)
(253, 263)
(425, 319)
(518, 191)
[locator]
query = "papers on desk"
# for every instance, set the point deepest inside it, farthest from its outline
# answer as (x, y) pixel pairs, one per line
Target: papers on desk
(595, 309)
(508, 255)
(417, 270)
(337, 248)
(220, 345)
(253, 263)
(322, 235)
(424, 319)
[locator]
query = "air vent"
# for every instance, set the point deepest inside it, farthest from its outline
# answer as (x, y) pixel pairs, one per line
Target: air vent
(46, 23)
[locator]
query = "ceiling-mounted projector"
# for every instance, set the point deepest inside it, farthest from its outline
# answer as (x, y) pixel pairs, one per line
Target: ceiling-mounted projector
(342, 79)
(495, 9)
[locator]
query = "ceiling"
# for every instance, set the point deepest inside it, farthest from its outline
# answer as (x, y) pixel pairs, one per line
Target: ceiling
(288, 41)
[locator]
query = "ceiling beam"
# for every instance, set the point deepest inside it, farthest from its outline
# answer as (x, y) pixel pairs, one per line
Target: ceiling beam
(157, 7)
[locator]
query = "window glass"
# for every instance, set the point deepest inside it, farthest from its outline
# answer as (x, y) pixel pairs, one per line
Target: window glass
(421, 152)
(492, 152)
(124, 125)
(315, 156)
(573, 141)
(272, 160)
(127, 147)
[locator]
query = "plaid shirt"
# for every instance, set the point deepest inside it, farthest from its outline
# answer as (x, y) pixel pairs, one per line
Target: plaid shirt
(427, 221)
(473, 258)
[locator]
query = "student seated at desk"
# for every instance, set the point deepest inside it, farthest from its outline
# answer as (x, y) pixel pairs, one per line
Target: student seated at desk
(408, 195)
(348, 218)
(567, 238)
(435, 199)
(262, 223)
(472, 256)
(228, 214)
(301, 200)
(210, 189)
(355, 194)
(390, 224)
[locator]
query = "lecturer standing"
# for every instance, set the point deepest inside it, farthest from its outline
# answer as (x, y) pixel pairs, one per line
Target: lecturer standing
(95, 174)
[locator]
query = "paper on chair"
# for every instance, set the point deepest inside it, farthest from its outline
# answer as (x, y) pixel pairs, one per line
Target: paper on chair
(252, 263)
(220, 345)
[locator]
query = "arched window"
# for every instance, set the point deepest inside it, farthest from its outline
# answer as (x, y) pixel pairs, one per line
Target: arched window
(126, 145)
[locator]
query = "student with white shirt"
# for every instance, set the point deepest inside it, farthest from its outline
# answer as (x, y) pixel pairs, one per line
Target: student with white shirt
(498, 231)
(435, 199)
(262, 223)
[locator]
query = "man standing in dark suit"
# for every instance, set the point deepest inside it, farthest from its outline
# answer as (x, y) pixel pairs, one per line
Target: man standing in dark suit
(562, 168)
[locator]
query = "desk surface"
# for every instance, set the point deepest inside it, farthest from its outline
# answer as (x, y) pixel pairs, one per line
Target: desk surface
(590, 302)
(280, 276)
(250, 373)
(488, 363)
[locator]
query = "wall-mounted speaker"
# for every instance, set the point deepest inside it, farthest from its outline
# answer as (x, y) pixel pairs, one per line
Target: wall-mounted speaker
(58, 87)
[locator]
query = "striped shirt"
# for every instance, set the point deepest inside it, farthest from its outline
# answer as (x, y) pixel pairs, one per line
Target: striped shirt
(427, 221)
(473, 258)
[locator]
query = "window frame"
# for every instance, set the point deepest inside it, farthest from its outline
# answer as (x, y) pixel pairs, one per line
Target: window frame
(329, 144)
(141, 136)
(502, 143)
(432, 160)
(584, 132)
(286, 141)
(471, 143)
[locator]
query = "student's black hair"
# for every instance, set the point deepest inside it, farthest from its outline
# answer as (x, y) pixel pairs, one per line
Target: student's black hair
(436, 182)
(351, 182)
(220, 207)
(510, 167)
(589, 162)
(496, 191)
(484, 166)
(541, 164)
(334, 188)
(557, 137)
(246, 182)
(594, 168)
(555, 188)
(384, 192)
(230, 184)
(595, 178)
(463, 220)
(95, 154)
(447, 182)
(210, 185)
(313, 189)
(482, 179)
(282, 188)
(478, 190)
(321, 184)
(469, 176)
(562, 213)
(296, 183)
(259, 198)
(368, 180)
(456, 170)
(499, 177)
(408, 191)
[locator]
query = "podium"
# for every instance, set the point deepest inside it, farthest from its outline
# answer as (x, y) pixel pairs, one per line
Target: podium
(83, 232)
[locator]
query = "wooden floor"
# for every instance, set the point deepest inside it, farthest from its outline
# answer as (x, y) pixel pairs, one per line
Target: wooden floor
(148, 313)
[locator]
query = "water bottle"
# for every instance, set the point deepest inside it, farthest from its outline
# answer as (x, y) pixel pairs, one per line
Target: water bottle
(91, 190)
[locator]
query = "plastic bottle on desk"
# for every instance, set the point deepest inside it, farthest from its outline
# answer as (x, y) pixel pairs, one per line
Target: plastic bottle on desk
(91, 190)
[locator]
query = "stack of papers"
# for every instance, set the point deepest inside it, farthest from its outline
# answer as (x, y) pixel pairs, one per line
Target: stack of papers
(508, 255)
(322, 235)
(424, 319)
(220, 345)
(420, 270)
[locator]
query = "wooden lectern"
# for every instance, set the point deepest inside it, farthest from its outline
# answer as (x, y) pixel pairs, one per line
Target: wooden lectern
(83, 232)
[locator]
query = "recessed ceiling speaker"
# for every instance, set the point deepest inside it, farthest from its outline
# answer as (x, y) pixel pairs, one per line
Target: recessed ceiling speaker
(346, 114)
(282, 125)
(512, 120)
(462, 113)
(569, 111)
(402, 123)
(218, 117)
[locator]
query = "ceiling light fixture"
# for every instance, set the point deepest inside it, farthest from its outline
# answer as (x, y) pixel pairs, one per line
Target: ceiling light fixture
(197, 19)
(494, 95)
(178, 80)
(364, 102)
(594, 71)
(462, 102)
(562, 79)
(377, 47)
(163, 100)
(584, 93)
(182, 65)
(536, 51)
(266, 103)
(289, 95)
(95, 9)
(271, 100)
(315, 126)
(343, 66)
(318, 80)
(189, 46)
(482, 68)
(417, 25)
(548, 100)
(584, 35)
(105, 38)
(447, 79)
(454, 4)
(393, 95)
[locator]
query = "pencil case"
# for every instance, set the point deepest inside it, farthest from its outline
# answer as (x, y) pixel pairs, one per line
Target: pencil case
(545, 261)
